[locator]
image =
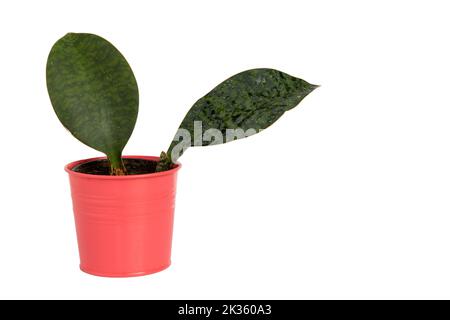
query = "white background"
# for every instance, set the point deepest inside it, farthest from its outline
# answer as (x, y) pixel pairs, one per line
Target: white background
(347, 196)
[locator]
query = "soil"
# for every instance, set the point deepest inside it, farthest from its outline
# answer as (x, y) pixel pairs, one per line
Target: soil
(133, 166)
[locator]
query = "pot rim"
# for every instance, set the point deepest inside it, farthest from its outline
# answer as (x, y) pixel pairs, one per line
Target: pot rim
(68, 168)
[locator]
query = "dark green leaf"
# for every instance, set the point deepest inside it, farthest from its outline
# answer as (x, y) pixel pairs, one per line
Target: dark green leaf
(93, 91)
(251, 100)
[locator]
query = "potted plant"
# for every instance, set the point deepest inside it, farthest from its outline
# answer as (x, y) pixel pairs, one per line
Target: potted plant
(124, 205)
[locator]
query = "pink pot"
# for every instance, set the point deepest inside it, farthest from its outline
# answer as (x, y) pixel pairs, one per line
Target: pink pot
(124, 223)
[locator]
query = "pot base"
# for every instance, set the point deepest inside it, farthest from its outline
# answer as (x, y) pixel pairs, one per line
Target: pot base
(123, 275)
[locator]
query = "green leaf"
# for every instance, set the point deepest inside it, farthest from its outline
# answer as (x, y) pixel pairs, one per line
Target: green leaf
(251, 100)
(93, 92)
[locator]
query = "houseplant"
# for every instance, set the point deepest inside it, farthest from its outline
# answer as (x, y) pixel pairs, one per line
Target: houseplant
(124, 206)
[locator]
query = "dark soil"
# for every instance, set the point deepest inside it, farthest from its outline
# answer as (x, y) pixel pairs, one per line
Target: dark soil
(101, 167)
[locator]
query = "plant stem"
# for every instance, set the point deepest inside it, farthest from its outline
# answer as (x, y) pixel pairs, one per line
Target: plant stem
(116, 165)
(164, 163)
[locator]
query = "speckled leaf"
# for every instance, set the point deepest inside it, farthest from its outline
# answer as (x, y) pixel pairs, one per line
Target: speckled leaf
(93, 91)
(252, 99)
